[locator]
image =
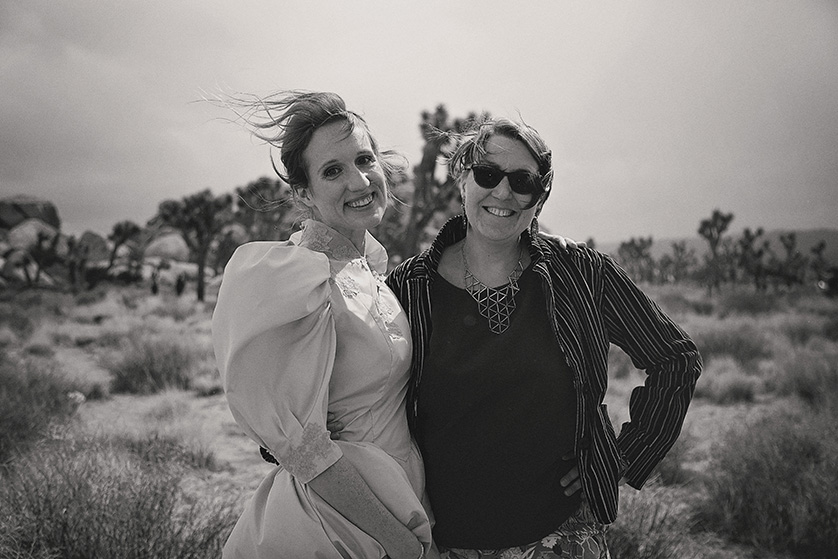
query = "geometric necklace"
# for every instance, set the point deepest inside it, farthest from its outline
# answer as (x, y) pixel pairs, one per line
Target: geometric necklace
(495, 304)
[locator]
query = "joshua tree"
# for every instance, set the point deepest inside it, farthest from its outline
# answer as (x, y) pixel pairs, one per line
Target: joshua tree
(123, 232)
(264, 209)
(712, 230)
(200, 218)
(634, 256)
(432, 199)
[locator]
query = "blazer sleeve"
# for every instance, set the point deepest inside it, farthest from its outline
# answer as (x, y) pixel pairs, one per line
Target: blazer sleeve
(672, 363)
(274, 340)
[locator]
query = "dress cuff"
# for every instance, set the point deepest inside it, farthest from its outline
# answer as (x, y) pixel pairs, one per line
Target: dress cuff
(315, 453)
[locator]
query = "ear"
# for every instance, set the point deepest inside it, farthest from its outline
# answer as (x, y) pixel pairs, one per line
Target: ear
(303, 196)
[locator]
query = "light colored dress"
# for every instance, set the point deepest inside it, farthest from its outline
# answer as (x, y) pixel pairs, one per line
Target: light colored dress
(302, 327)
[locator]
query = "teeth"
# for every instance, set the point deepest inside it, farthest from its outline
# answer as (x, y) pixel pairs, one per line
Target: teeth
(360, 203)
(500, 212)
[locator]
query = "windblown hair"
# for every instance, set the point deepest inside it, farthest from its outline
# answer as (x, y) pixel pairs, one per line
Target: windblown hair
(471, 148)
(288, 119)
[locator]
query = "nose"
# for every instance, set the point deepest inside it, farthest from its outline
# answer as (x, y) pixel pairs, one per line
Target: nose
(502, 191)
(359, 180)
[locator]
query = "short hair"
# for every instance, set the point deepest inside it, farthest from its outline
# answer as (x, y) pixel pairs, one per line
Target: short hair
(471, 148)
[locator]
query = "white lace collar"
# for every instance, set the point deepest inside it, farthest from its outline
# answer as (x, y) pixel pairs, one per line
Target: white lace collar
(318, 236)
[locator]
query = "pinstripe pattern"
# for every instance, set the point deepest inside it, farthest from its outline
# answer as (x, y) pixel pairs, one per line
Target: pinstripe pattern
(593, 303)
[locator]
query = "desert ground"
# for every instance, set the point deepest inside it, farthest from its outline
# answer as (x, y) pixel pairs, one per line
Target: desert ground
(94, 342)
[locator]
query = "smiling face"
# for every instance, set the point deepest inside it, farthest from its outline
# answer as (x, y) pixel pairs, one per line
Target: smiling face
(497, 214)
(347, 189)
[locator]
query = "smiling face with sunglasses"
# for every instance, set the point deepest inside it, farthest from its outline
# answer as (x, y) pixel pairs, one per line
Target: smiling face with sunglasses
(501, 191)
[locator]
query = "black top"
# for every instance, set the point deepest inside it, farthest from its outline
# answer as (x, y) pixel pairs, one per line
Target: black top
(496, 416)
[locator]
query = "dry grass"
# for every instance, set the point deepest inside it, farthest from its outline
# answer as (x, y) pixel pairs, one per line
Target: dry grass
(102, 498)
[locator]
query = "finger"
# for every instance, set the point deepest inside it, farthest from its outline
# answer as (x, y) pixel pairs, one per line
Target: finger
(570, 477)
(574, 488)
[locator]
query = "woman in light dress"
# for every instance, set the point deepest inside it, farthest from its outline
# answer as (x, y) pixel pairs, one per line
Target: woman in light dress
(306, 328)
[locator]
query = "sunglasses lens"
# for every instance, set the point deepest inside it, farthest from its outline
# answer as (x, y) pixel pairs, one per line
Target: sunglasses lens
(523, 183)
(486, 176)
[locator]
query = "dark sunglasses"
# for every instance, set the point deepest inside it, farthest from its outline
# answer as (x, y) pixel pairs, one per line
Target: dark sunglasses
(520, 182)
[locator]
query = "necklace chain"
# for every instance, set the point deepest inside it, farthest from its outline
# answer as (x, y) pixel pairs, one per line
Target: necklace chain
(495, 304)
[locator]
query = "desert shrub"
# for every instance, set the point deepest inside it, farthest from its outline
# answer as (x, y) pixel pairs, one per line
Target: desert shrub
(774, 484)
(740, 340)
(39, 350)
(16, 319)
(131, 298)
(43, 302)
(12, 547)
(178, 310)
(702, 307)
(674, 302)
(110, 339)
(734, 388)
(32, 397)
(162, 449)
(799, 329)
(79, 499)
(810, 373)
(723, 382)
(670, 470)
(91, 297)
(7, 337)
(97, 391)
(830, 328)
(149, 363)
(747, 302)
(650, 525)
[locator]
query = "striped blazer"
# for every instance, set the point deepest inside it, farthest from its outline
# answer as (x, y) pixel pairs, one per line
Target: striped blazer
(593, 304)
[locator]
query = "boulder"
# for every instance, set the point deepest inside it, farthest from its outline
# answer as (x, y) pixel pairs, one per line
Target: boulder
(24, 235)
(95, 246)
(14, 210)
(170, 246)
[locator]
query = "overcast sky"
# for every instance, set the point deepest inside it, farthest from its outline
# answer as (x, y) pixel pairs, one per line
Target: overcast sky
(657, 112)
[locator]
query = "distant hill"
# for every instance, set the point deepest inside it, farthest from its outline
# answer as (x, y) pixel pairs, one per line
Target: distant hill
(806, 239)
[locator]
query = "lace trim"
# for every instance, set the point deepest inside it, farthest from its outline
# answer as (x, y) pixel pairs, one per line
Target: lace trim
(348, 286)
(315, 446)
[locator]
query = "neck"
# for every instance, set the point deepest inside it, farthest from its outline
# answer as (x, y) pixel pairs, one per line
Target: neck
(492, 253)
(491, 262)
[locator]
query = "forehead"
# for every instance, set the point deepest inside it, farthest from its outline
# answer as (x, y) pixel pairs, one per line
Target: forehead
(509, 154)
(336, 140)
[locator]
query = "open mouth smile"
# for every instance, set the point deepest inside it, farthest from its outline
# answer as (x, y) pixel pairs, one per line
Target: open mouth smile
(361, 202)
(500, 212)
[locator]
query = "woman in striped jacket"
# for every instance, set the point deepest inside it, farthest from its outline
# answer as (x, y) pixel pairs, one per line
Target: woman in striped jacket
(509, 370)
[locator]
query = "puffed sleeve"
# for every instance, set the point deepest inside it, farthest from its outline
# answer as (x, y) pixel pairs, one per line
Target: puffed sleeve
(274, 340)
